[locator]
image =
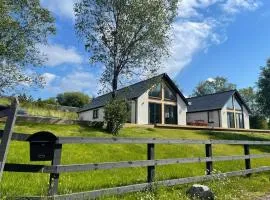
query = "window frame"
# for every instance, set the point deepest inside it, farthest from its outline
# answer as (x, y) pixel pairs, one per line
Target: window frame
(160, 92)
(166, 86)
(95, 114)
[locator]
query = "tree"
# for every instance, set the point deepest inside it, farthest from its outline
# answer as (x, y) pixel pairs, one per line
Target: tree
(264, 90)
(127, 36)
(217, 84)
(74, 99)
(24, 25)
(249, 95)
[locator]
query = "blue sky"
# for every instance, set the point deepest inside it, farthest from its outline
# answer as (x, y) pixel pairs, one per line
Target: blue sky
(210, 38)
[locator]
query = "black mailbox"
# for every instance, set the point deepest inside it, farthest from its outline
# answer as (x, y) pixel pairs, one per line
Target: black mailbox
(42, 146)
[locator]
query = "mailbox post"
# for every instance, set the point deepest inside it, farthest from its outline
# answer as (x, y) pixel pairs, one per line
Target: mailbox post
(43, 147)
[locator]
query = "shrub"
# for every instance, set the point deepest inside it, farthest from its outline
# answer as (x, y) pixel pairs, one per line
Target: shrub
(98, 125)
(258, 122)
(116, 113)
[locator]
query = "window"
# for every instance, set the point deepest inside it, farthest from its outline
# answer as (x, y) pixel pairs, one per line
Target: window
(156, 91)
(170, 114)
(230, 104)
(211, 117)
(239, 120)
(169, 94)
(154, 113)
(95, 114)
(230, 120)
(237, 105)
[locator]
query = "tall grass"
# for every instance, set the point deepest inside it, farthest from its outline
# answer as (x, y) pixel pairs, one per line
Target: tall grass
(35, 109)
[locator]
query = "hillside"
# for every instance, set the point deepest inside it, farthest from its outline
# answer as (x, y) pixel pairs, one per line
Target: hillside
(18, 184)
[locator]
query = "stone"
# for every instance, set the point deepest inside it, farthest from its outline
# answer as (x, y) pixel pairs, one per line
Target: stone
(201, 192)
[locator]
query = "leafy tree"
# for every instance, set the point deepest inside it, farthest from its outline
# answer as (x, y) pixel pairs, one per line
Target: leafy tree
(24, 25)
(218, 84)
(127, 36)
(250, 97)
(116, 113)
(74, 99)
(264, 90)
(258, 122)
(24, 98)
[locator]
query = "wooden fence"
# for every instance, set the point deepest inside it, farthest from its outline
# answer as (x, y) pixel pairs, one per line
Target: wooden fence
(56, 168)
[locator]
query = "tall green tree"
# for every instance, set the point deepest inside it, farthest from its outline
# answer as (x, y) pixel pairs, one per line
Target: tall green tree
(264, 90)
(250, 97)
(217, 84)
(24, 25)
(74, 99)
(127, 36)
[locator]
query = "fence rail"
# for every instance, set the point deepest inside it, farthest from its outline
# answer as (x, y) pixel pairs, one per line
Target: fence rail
(56, 168)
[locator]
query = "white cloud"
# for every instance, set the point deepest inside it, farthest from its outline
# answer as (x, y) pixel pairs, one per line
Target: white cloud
(197, 27)
(234, 6)
(210, 79)
(62, 8)
(49, 78)
(57, 55)
(75, 81)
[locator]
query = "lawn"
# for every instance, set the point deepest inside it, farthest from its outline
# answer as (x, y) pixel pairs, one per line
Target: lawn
(18, 184)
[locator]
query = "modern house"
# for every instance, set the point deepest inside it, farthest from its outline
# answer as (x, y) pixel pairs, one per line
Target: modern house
(159, 101)
(225, 109)
(156, 100)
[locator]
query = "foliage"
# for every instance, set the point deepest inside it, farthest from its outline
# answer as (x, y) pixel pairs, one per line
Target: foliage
(264, 90)
(249, 95)
(51, 101)
(74, 99)
(97, 124)
(218, 84)
(127, 37)
(116, 113)
(24, 25)
(258, 122)
(24, 98)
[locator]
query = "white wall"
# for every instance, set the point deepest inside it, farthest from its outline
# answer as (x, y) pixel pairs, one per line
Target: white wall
(181, 111)
(224, 121)
(246, 118)
(142, 109)
(88, 115)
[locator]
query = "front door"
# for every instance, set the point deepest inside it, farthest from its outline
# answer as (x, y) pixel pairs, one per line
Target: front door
(154, 113)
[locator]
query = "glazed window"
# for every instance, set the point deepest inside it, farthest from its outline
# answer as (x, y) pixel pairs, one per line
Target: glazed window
(155, 91)
(169, 93)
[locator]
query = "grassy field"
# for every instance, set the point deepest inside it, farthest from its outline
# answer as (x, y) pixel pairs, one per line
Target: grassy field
(46, 111)
(15, 184)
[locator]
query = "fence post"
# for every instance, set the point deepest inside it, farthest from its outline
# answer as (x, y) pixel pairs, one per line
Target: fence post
(208, 153)
(150, 169)
(54, 177)
(247, 160)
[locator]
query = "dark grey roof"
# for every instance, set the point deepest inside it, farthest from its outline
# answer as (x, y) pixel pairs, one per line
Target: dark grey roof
(132, 92)
(212, 101)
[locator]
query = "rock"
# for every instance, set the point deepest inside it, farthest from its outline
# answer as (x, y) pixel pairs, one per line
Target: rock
(201, 192)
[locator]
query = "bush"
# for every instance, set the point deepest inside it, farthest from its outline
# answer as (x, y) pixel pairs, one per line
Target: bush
(98, 125)
(116, 113)
(74, 99)
(258, 122)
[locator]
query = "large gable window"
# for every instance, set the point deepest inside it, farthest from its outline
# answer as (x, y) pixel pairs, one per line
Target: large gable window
(156, 91)
(230, 104)
(237, 105)
(169, 93)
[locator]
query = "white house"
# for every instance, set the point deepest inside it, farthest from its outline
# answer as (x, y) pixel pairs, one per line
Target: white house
(159, 101)
(225, 109)
(156, 100)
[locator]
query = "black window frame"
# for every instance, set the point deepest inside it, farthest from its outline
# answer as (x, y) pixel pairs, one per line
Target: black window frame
(95, 114)
(174, 99)
(160, 93)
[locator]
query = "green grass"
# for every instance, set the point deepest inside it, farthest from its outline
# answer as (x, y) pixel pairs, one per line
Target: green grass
(46, 111)
(18, 184)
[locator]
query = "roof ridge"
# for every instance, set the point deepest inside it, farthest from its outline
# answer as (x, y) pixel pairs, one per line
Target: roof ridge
(132, 84)
(212, 94)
